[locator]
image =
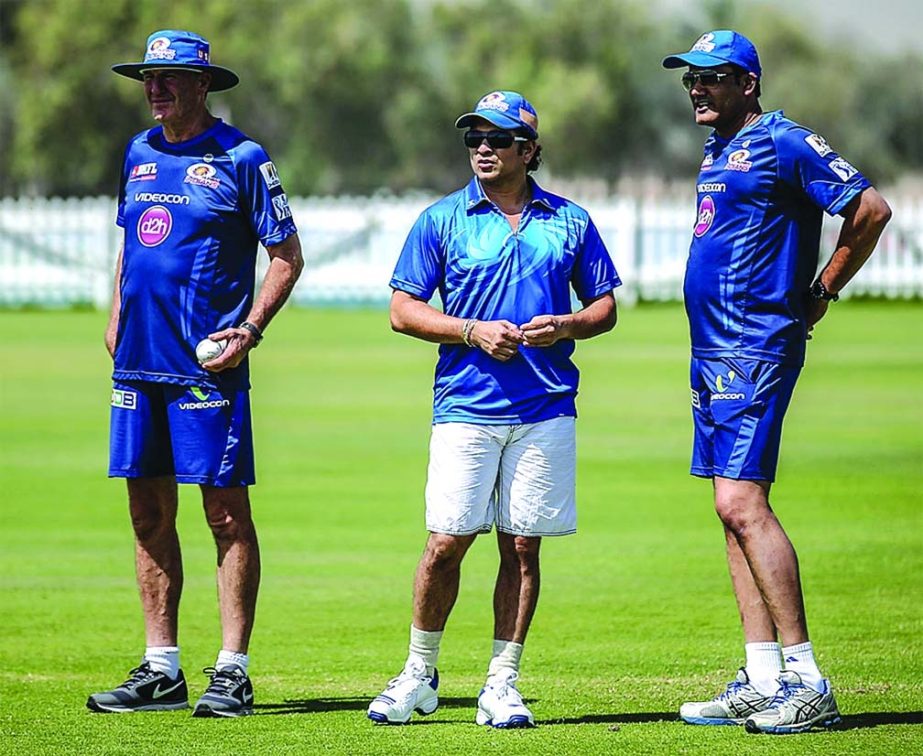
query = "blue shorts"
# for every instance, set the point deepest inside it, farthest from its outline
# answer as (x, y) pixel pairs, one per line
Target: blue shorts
(198, 435)
(738, 406)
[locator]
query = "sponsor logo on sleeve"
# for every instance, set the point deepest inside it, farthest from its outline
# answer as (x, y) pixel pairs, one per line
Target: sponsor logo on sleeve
(706, 216)
(124, 399)
(817, 143)
(280, 205)
(202, 174)
(842, 168)
(270, 175)
(737, 161)
(154, 225)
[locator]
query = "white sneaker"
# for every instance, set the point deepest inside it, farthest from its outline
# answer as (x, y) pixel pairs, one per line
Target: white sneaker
(796, 708)
(739, 700)
(500, 704)
(412, 690)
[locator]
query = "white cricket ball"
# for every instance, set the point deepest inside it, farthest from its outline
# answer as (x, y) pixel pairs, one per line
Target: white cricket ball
(207, 350)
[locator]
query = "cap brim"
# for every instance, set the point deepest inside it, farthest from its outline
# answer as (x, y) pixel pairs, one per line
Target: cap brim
(222, 78)
(694, 58)
(497, 118)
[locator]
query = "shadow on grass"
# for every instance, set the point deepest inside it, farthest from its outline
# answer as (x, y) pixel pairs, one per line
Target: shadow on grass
(878, 718)
(320, 705)
(628, 718)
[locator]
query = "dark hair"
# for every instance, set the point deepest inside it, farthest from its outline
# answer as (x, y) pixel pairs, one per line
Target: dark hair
(536, 161)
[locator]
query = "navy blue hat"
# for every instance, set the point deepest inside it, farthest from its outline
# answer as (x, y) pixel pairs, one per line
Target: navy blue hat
(508, 110)
(716, 48)
(183, 50)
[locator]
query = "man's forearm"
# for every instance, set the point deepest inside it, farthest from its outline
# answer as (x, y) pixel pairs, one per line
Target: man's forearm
(859, 234)
(284, 269)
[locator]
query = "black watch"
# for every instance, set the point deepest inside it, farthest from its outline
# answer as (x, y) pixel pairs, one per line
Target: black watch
(255, 332)
(819, 291)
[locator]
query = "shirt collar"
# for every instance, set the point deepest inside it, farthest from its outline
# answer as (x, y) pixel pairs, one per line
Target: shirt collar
(475, 196)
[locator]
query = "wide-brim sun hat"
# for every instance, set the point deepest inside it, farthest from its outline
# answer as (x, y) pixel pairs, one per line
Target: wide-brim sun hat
(506, 110)
(183, 50)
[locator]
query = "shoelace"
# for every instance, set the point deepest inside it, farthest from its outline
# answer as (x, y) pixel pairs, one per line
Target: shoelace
(785, 691)
(506, 689)
(223, 680)
(732, 689)
(140, 674)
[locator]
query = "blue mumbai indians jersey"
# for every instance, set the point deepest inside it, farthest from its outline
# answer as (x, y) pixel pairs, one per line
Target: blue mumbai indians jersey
(755, 246)
(193, 214)
(465, 247)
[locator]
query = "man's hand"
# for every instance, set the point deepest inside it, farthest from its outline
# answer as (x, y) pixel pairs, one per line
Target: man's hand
(814, 310)
(240, 341)
(543, 330)
(499, 338)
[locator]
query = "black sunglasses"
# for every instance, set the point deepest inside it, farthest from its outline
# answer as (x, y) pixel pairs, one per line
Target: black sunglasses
(707, 77)
(496, 140)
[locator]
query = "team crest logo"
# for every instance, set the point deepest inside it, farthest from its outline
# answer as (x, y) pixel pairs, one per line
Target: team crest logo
(154, 225)
(493, 101)
(737, 161)
(705, 217)
(202, 174)
(705, 43)
(159, 49)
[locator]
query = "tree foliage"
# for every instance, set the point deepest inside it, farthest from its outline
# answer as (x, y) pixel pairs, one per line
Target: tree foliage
(361, 96)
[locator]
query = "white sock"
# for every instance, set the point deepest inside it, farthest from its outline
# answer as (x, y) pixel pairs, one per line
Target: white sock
(425, 644)
(229, 659)
(163, 659)
(506, 655)
(764, 663)
(800, 659)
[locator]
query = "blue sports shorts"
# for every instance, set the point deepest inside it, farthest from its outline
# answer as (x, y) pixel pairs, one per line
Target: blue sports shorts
(737, 407)
(198, 435)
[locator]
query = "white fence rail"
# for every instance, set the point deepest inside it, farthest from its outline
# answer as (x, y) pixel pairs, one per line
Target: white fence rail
(56, 252)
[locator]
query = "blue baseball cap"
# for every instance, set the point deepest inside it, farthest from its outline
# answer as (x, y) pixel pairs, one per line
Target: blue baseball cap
(507, 110)
(183, 50)
(716, 48)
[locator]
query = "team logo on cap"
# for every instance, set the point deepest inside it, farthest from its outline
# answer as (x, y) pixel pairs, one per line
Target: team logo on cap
(737, 161)
(493, 101)
(154, 225)
(705, 217)
(705, 43)
(202, 174)
(159, 49)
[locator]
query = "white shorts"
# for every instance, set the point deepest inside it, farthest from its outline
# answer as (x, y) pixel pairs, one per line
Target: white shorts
(519, 477)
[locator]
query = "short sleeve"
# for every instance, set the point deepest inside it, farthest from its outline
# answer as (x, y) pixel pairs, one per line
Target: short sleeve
(594, 272)
(807, 162)
(262, 197)
(420, 265)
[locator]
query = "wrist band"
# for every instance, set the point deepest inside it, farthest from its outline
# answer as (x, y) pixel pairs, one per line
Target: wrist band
(254, 331)
(467, 328)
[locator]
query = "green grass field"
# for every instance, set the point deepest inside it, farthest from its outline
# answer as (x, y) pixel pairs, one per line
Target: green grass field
(636, 612)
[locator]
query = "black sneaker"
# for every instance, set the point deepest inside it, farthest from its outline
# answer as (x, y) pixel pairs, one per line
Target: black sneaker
(229, 694)
(144, 690)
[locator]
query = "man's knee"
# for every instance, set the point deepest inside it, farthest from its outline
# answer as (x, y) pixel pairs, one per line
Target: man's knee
(520, 551)
(152, 507)
(741, 503)
(227, 511)
(445, 551)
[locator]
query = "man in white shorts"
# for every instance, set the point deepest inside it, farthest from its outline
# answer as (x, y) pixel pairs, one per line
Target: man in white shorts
(503, 255)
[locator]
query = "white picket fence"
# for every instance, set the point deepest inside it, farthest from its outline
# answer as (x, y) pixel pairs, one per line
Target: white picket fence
(61, 252)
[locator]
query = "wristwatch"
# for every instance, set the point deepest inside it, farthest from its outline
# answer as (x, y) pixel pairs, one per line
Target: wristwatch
(254, 331)
(819, 291)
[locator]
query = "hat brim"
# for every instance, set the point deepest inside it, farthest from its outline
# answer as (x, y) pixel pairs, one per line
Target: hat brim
(694, 58)
(497, 119)
(222, 78)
